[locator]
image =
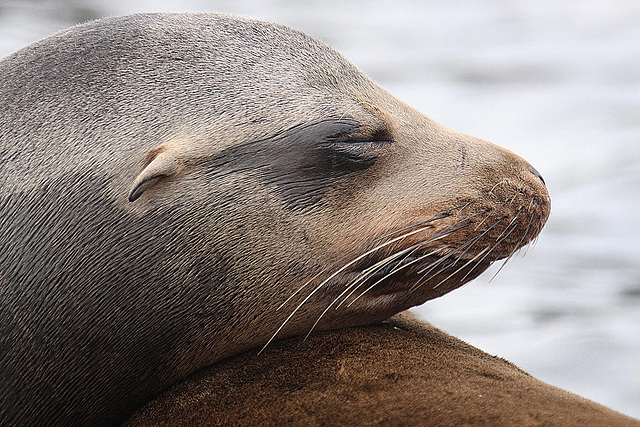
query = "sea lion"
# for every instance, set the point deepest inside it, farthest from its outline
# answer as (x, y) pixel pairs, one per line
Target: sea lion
(178, 188)
(402, 372)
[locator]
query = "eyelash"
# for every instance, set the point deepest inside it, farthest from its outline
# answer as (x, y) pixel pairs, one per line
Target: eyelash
(352, 154)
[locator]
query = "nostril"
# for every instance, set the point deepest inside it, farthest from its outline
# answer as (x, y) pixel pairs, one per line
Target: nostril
(536, 173)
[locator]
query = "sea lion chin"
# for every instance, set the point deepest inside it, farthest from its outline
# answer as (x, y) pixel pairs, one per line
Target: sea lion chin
(178, 188)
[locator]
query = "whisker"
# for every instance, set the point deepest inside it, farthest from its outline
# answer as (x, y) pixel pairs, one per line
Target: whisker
(508, 258)
(433, 265)
(380, 264)
(471, 260)
(535, 239)
(428, 269)
(299, 289)
(417, 224)
(472, 241)
(332, 276)
(504, 181)
(351, 286)
(373, 269)
(470, 271)
(526, 251)
(440, 235)
(426, 276)
(387, 276)
(526, 231)
(443, 215)
(515, 217)
(504, 262)
(478, 262)
(497, 207)
(495, 246)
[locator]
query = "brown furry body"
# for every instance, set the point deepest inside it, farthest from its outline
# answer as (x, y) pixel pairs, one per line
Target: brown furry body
(401, 373)
(178, 188)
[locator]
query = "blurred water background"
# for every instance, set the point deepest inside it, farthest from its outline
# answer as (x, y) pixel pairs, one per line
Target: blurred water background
(558, 82)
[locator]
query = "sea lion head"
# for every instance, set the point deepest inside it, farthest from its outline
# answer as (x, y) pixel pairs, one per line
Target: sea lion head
(196, 184)
(332, 199)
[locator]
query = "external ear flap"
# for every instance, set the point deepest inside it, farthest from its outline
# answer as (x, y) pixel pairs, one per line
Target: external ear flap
(163, 164)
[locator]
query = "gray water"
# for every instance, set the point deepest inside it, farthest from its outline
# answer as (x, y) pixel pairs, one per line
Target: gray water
(558, 82)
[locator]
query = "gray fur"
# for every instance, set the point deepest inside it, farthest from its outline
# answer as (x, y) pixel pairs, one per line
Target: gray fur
(283, 157)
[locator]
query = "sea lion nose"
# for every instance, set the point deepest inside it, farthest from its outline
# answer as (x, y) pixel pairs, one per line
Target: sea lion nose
(535, 172)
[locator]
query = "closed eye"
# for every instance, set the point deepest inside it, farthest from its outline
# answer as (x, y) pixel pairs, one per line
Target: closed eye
(306, 162)
(349, 152)
(353, 155)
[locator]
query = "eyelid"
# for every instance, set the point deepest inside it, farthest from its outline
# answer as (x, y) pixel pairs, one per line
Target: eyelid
(380, 136)
(354, 145)
(359, 154)
(362, 142)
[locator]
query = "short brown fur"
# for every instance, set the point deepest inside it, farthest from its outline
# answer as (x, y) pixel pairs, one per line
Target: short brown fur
(403, 372)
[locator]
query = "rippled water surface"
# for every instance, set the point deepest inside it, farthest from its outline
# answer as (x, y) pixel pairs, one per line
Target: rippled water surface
(558, 82)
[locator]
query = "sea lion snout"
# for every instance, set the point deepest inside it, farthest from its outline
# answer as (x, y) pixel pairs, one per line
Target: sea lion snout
(510, 204)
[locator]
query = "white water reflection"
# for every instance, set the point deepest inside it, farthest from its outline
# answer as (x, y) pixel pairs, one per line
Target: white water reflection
(558, 82)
